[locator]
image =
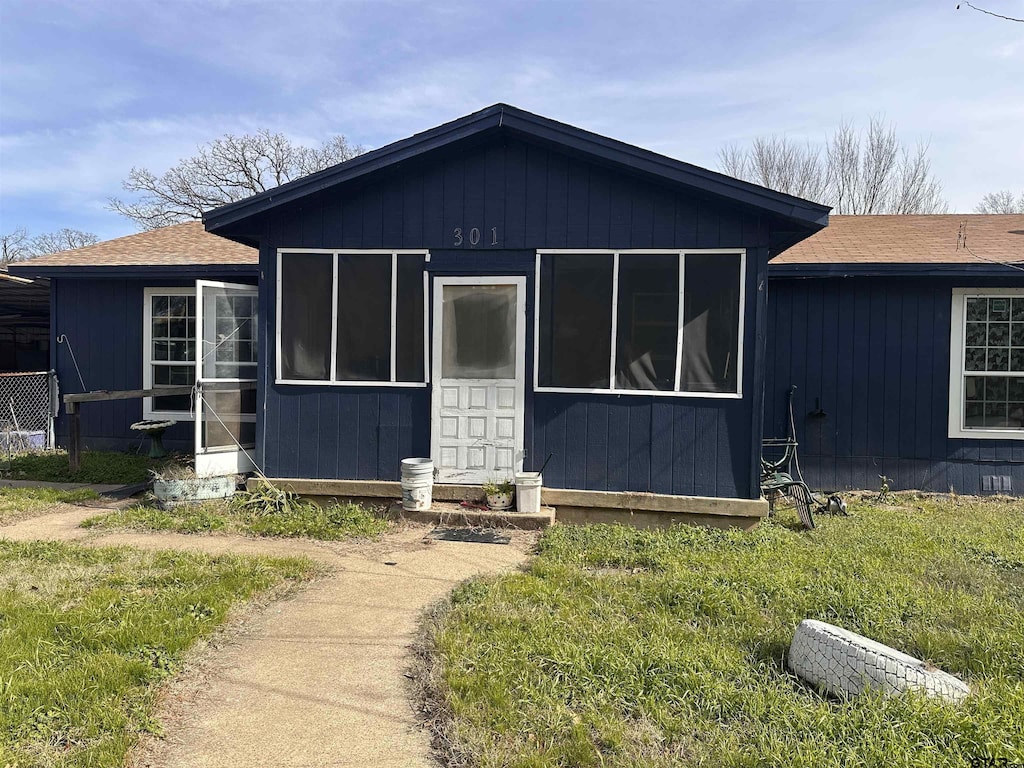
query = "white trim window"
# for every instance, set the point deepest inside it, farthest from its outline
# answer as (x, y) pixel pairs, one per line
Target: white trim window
(351, 317)
(986, 370)
(169, 350)
(640, 322)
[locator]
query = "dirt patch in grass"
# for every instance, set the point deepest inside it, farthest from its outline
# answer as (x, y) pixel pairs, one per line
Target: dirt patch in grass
(20, 503)
(623, 647)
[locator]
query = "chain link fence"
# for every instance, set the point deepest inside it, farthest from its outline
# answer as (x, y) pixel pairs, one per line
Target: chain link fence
(28, 406)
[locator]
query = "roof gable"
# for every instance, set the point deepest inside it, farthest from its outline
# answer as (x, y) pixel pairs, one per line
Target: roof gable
(500, 118)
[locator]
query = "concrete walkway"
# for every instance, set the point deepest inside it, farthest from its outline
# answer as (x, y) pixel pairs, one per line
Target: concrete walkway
(315, 680)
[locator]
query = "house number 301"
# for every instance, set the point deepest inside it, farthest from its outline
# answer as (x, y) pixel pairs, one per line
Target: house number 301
(473, 236)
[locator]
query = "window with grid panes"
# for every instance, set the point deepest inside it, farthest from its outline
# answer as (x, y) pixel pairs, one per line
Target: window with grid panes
(171, 350)
(987, 355)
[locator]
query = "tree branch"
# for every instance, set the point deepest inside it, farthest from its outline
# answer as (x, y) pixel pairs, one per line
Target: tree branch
(855, 172)
(225, 170)
(982, 10)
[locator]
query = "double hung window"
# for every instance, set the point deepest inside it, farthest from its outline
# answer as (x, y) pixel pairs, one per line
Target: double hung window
(652, 322)
(169, 355)
(987, 363)
(169, 345)
(351, 317)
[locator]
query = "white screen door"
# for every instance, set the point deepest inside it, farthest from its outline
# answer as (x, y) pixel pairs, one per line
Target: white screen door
(227, 351)
(478, 357)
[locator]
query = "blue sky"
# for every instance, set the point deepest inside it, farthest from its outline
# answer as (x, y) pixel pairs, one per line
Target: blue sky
(90, 89)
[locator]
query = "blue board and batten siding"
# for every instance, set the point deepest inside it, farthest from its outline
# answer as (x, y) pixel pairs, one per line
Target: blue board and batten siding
(534, 197)
(102, 320)
(873, 354)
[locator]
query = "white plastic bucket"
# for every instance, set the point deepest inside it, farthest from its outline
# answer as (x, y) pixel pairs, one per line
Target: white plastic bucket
(417, 484)
(528, 492)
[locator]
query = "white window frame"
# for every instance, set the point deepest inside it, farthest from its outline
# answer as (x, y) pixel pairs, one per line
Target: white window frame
(616, 254)
(335, 253)
(148, 412)
(957, 354)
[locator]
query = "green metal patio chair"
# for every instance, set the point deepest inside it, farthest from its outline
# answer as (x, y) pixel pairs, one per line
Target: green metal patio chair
(776, 478)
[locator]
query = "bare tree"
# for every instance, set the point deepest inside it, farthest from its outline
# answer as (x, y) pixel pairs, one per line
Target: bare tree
(225, 170)
(61, 240)
(17, 245)
(14, 246)
(857, 173)
(1002, 201)
(779, 163)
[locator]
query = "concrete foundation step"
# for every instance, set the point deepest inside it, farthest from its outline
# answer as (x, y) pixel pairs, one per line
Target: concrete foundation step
(453, 514)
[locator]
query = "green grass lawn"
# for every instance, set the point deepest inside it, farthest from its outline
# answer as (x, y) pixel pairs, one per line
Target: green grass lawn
(16, 503)
(298, 519)
(86, 636)
(620, 647)
(97, 467)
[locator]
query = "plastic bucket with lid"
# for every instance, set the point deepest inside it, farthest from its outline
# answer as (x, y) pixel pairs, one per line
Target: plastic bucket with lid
(528, 492)
(417, 484)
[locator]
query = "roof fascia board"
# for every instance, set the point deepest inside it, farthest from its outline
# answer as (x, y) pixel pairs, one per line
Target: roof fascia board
(808, 214)
(667, 168)
(391, 154)
(893, 270)
(135, 270)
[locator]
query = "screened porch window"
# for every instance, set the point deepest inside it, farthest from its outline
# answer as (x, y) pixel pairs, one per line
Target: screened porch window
(632, 322)
(351, 317)
(987, 363)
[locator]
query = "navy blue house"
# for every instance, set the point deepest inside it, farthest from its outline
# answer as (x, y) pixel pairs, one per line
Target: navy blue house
(904, 336)
(496, 293)
(506, 290)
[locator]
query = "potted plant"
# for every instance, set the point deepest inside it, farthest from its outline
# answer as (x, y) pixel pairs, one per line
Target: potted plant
(178, 484)
(499, 494)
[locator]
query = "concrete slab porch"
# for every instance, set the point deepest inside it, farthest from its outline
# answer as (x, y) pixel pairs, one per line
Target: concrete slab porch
(573, 506)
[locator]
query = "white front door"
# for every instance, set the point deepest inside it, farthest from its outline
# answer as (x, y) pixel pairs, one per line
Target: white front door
(225, 377)
(478, 373)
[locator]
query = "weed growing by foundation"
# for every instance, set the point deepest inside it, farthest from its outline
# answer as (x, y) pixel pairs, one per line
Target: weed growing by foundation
(265, 511)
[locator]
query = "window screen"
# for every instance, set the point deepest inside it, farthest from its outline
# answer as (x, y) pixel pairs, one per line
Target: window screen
(409, 318)
(231, 321)
(648, 316)
(479, 332)
(575, 321)
(364, 317)
(376, 331)
(306, 284)
(588, 340)
(229, 418)
(711, 307)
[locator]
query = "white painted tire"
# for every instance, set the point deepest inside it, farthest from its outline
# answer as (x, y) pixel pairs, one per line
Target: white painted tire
(844, 663)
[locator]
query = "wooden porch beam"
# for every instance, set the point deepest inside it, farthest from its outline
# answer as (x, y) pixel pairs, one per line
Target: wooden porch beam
(100, 395)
